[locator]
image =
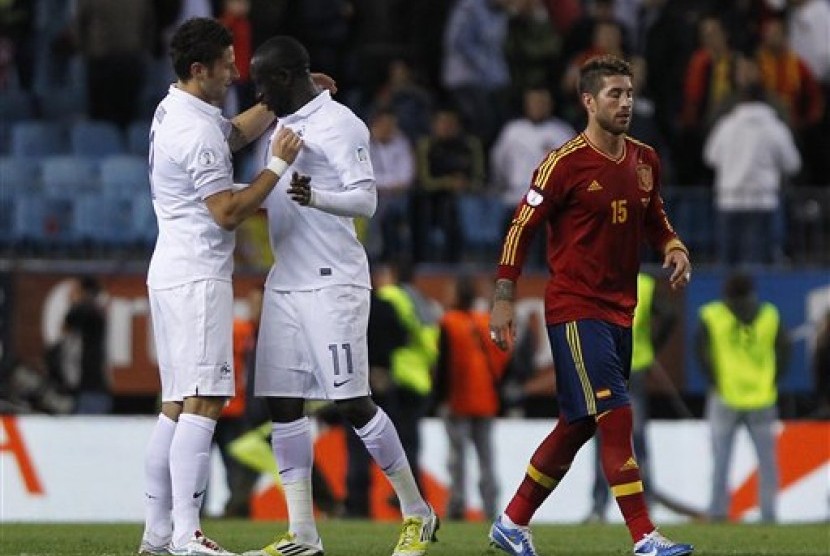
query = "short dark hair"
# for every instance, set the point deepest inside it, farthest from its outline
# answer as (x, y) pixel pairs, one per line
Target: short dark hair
(738, 285)
(282, 53)
(200, 39)
(592, 73)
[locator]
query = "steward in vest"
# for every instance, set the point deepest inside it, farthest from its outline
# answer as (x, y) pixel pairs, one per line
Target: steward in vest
(742, 349)
(410, 364)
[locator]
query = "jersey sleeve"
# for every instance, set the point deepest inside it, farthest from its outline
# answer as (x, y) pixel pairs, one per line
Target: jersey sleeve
(208, 161)
(546, 192)
(658, 230)
(348, 152)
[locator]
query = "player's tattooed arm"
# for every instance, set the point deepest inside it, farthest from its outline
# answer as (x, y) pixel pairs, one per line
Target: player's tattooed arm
(505, 290)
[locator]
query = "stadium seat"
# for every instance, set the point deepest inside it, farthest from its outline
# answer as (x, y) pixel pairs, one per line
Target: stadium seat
(95, 139)
(18, 176)
(43, 223)
(69, 176)
(64, 104)
(16, 106)
(19, 179)
(102, 221)
(138, 138)
(125, 176)
(38, 139)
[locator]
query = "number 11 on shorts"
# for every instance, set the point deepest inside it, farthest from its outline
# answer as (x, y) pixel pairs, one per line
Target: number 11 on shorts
(335, 357)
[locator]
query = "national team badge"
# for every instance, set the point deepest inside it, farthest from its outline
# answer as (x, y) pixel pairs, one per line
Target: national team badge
(645, 181)
(207, 157)
(534, 198)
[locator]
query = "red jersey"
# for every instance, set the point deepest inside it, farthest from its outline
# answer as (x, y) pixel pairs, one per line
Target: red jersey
(599, 211)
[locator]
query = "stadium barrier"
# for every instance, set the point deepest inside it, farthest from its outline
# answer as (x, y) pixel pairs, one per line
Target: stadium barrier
(88, 469)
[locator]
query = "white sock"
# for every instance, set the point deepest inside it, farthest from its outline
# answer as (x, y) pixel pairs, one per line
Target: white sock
(293, 451)
(509, 522)
(158, 496)
(189, 468)
(383, 443)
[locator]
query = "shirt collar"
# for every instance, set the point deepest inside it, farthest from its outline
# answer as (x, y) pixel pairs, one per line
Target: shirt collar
(195, 102)
(309, 108)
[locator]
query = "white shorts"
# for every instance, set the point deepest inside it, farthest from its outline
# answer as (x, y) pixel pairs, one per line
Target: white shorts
(312, 344)
(193, 330)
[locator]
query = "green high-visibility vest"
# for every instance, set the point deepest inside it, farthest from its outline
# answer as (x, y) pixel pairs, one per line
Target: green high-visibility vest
(743, 355)
(642, 350)
(412, 364)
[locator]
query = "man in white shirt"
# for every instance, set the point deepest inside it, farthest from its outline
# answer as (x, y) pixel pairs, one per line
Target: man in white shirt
(189, 279)
(751, 150)
(393, 162)
(521, 145)
(312, 338)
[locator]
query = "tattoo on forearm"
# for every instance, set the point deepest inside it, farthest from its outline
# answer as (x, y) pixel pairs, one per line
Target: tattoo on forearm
(237, 139)
(505, 290)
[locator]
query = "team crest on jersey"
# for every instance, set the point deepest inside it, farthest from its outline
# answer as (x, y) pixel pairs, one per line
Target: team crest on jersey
(362, 154)
(534, 198)
(645, 181)
(207, 157)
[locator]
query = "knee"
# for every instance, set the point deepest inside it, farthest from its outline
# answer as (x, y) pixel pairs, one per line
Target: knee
(357, 411)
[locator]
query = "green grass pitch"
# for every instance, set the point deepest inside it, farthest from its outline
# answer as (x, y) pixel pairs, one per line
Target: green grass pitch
(364, 538)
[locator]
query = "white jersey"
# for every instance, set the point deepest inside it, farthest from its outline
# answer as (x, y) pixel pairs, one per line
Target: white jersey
(314, 248)
(190, 160)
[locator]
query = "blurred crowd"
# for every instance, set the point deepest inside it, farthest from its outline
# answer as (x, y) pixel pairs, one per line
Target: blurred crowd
(464, 97)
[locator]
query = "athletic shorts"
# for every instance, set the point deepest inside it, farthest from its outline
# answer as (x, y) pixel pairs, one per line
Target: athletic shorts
(193, 331)
(312, 344)
(593, 362)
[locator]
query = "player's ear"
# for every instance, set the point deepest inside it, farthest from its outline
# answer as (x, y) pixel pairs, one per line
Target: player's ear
(587, 101)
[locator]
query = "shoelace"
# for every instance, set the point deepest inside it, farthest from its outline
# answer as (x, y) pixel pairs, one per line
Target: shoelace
(411, 531)
(204, 541)
(661, 541)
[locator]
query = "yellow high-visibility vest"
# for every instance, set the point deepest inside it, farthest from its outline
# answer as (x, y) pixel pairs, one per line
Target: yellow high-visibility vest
(642, 350)
(412, 363)
(743, 355)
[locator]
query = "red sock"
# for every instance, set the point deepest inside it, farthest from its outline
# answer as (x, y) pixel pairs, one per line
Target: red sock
(621, 470)
(548, 465)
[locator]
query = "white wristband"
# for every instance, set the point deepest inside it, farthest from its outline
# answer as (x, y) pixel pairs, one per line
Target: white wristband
(277, 165)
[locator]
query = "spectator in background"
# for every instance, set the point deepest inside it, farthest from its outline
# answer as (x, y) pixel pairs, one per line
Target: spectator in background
(450, 163)
(581, 34)
(789, 80)
(743, 349)
(394, 163)
(235, 18)
(410, 364)
(116, 40)
(751, 151)
(83, 355)
(520, 146)
(475, 69)
(606, 39)
(411, 103)
(17, 44)
(709, 81)
(532, 50)
(386, 333)
(467, 377)
(809, 31)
